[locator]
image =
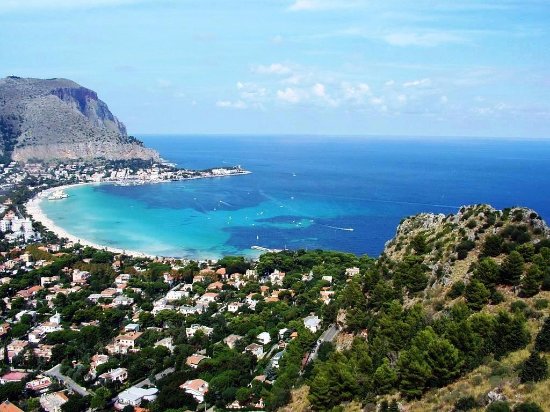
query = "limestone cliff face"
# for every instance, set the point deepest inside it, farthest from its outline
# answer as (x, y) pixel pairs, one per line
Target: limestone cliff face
(59, 119)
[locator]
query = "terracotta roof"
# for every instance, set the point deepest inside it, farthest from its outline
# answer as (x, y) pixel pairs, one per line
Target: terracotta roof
(7, 406)
(14, 376)
(195, 385)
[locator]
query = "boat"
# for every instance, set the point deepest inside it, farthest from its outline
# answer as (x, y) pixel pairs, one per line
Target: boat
(57, 195)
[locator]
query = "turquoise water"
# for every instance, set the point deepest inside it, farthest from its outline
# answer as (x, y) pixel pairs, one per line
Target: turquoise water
(303, 193)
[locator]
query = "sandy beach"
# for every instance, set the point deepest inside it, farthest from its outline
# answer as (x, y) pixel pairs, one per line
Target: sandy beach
(36, 213)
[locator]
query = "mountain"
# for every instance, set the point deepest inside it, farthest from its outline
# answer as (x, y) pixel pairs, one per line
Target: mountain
(48, 119)
(453, 316)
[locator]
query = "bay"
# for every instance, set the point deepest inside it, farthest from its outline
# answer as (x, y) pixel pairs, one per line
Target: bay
(309, 192)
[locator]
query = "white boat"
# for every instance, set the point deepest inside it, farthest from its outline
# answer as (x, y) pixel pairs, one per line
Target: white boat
(57, 195)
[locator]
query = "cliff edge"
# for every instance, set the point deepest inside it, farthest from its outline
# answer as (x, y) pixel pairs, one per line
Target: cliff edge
(57, 119)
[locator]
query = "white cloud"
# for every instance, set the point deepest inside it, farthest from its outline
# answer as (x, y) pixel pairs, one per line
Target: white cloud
(423, 39)
(27, 5)
(251, 91)
(289, 95)
(227, 104)
(163, 84)
(278, 39)
(377, 101)
(318, 89)
(274, 68)
(315, 5)
(418, 83)
(355, 92)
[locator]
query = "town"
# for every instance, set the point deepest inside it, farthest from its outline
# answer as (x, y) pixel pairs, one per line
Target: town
(85, 328)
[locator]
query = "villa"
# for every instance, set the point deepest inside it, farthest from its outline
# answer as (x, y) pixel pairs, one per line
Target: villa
(197, 388)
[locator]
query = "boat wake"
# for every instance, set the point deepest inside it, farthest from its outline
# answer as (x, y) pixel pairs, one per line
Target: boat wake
(346, 229)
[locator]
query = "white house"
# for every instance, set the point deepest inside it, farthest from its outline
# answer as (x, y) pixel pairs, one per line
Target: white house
(134, 396)
(255, 349)
(234, 307)
(190, 332)
(313, 323)
(263, 338)
(173, 295)
(197, 388)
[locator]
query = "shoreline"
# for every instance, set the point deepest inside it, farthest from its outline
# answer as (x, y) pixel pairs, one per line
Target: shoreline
(35, 212)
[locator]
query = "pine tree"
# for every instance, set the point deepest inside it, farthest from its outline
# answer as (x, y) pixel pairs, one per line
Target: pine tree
(542, 343)
(445, 361)
(534, 368)
(487, 272)
(414, 372)
(510, 334)
(511, 269)
(476, 294)
(384, 377)
(530, 283)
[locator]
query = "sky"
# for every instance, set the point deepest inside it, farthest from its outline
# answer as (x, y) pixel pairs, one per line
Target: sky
(327, 67)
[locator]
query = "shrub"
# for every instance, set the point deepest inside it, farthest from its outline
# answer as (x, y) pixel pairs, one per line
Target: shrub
(456, 290)
(463, 248)
(498, 406)
(492, 245)
(465, 403)
(542, 342)
(534, 368)
(518, 306)
(527, 407)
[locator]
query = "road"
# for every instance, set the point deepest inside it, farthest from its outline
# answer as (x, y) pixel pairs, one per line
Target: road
(55, 372)
(327, 336)
(160, 375)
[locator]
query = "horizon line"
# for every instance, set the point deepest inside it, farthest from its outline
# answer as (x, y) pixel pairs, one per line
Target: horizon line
(357, 136)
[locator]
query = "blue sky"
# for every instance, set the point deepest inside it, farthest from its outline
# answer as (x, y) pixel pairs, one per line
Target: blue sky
(353, 67)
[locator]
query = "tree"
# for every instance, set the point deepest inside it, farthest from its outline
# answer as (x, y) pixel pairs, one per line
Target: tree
(476, 294)
(512, 269)
(334, 383)
(527, 407)
(100, 398)
(325, 349)
(492, 245)
(385, 377)
(443, 358)
(534, 368)
(411, 273)
(510, 334)
(542, 342)
(414, 372)
(530, 284)
(419, 244)
(486, 271)
(394, 407)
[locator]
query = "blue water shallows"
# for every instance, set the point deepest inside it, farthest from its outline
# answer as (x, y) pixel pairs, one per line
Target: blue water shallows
(304, 192)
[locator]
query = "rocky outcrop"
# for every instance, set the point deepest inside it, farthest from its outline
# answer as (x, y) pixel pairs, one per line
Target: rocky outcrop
(56, 119)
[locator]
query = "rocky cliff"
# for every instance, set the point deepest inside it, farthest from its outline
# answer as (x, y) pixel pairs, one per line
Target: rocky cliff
(59, 119)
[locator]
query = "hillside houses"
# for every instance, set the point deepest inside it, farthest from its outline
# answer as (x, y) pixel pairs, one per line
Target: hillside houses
(122, 344)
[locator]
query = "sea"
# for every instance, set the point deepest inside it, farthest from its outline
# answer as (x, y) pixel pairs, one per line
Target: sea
(305, 192)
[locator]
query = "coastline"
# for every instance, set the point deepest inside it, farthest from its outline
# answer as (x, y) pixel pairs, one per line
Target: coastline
(36, 213)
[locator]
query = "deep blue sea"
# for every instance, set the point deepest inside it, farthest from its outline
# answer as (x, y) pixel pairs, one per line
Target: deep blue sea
(303, 192)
